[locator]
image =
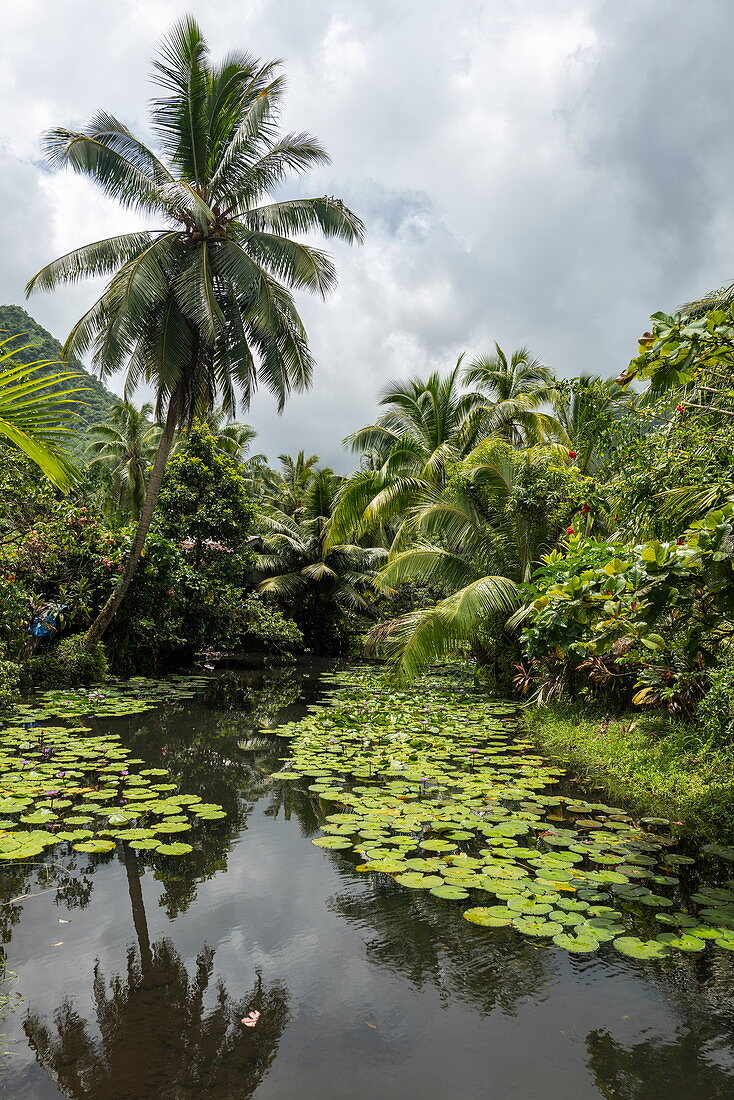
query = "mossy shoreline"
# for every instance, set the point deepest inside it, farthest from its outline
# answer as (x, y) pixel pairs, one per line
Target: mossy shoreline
(649, 764)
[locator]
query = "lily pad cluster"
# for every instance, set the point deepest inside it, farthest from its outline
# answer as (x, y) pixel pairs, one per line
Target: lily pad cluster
(116, 700)
(436, 788)
(60, 784)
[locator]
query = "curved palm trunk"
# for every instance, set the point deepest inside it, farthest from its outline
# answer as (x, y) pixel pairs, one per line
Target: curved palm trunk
(107, 613)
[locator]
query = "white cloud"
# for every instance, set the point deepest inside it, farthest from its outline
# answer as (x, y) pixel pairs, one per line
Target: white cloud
(541, 174)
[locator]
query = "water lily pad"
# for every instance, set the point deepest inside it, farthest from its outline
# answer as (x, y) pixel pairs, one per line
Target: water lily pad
(681, 941)
(537, 926)
(578, 944)
(636, 948)
(437, 846)
(335, 842)
(450, 893)
(416, 881)
(529, 906)
(483, 916)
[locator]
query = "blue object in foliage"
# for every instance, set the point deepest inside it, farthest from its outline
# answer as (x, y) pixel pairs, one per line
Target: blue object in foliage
(48, 621)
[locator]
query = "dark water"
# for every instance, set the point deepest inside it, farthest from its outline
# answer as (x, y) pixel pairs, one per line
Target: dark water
(367, 991)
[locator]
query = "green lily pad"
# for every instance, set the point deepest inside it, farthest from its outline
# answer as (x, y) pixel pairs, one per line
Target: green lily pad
(416, 881)
(450, 893)
(681, 941)
(483, 916)
(578, 944)
(335, 842)
(636, 948)
(537, 926)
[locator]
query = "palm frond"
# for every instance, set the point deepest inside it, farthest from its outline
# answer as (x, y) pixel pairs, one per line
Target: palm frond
(430, 634)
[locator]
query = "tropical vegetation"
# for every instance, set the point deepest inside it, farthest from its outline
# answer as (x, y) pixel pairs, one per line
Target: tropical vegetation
(572, 537)
(199, 308)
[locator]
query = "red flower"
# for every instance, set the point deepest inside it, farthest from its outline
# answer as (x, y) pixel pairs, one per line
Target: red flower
(585, 509)
(570, 531)
(680, 408)
(571, 454)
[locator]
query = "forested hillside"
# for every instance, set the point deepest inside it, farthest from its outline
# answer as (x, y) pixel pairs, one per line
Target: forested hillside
(97, 399)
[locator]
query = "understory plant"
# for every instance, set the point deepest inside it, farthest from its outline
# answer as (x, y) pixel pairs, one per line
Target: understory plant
(637, 624)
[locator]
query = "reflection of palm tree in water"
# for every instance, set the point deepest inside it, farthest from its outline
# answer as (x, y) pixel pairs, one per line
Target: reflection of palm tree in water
(158, 1037)
(430, 944)
(683, 1069)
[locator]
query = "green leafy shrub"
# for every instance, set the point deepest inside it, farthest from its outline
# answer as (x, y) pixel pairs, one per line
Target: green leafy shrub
(264, 626)
(716, 712)
(636, 624)
(9, 683)
(69, 664)
(14, 614)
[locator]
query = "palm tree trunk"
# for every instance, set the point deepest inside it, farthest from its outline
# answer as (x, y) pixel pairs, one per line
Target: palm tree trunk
(107, 613)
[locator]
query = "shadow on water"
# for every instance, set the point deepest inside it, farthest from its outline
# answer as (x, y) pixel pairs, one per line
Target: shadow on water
(365, 989)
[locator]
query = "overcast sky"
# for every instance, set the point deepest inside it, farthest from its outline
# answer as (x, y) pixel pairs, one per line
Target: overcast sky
(533, 172)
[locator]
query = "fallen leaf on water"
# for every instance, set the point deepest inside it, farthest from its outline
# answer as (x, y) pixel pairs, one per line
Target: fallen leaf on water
(59, 944)
(61, 921)
(373, 1026)
(251, 1018)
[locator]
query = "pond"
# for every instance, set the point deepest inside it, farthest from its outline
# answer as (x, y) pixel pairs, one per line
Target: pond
(134, 973)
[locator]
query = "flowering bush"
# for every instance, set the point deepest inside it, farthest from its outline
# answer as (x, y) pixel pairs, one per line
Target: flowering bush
(71, 557)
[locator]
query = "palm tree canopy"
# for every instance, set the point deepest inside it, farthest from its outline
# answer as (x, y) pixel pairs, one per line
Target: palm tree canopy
(512, 392)
(471, 542)
(722, 298)
(295, 563)
(288, 487)
(592, 410)
(430, 411)
(201, 305)
(126, 446)
(232, 438)
(427, 426)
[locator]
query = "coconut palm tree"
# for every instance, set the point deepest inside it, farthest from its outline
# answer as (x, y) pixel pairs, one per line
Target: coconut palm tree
(232, 438)
(321, 491)
(407, 453)
(318, 584)
(471, 542)
(125, 447)
(199, 308)
(297, 567)
(512, 393)
(288, 490)
(34, 414)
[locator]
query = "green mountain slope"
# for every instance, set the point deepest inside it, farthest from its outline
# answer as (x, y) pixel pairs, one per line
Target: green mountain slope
(97, 398)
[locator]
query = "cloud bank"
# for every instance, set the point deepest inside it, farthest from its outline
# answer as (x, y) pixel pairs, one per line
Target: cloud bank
(529, 173)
